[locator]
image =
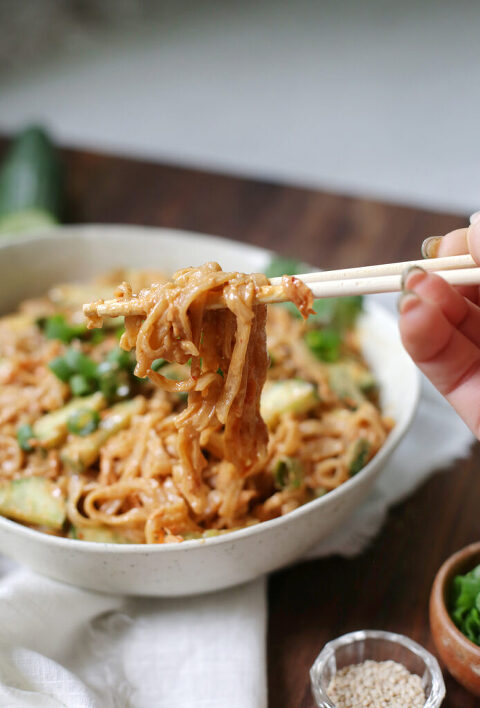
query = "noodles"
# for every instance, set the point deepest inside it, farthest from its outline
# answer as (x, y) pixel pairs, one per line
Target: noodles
(265, 426)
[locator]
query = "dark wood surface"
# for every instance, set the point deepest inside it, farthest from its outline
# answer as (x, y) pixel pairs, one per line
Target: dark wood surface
(388, 585)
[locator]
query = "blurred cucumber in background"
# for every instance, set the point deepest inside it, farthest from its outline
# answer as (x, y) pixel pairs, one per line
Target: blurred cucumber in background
(30, 183)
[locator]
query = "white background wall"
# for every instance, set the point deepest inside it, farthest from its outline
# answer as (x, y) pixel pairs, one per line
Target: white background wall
(375, 97)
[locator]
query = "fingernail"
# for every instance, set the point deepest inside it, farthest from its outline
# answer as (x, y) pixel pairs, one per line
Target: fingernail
(407, 301)
(408, 272)
(430, 246)
(475, 217)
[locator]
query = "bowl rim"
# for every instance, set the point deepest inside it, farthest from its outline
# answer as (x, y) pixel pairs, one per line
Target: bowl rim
(442, 578)
(393, 439)
(438, 690)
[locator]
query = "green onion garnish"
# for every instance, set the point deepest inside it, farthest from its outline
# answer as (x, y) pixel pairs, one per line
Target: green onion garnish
(97, 336)
(80, 363)
(83, 422)
(24, 435)
(324, 343)
(60, 368)
(56, 327)
(121, 359)
(288, 473)
(157, 364)
(359, 456)
(80, 385)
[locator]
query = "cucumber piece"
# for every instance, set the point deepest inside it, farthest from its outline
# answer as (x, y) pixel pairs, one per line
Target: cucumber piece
(33, 500)
(343, 384)
(290, 396)
(51, 429)
(80, 453)
(30, 179)
(97, 534)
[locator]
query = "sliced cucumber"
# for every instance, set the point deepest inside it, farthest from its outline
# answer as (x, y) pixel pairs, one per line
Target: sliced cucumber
(33, 500)
(291, 396)
(51, 429)
(79, 453)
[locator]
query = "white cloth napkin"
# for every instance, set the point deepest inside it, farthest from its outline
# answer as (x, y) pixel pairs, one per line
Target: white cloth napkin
(62, 646)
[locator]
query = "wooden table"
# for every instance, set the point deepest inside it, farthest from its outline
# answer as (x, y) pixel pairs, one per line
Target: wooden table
(388, 585)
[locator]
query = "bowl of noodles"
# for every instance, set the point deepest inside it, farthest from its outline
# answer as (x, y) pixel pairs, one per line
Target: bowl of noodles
(183, 446)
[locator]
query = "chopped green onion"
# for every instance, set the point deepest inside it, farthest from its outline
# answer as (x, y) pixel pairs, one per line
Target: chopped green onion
(288, 473)
(24, 435)
(60, 368)
(80, 385)
(56, 327)
(121, 359)
(339, 313)
(80, 363)
(97, 337)
(324, 343)
(113, 376)
(108, 382)
(359, 456)
(83, 422)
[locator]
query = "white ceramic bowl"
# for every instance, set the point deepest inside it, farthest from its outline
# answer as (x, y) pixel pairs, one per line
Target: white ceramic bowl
(29, 266)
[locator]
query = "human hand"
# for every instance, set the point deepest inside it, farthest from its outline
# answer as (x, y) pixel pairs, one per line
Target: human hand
(440, 325)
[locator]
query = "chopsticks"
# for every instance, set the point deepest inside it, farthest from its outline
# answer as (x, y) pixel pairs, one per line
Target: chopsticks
(385, 278)
(457, 270)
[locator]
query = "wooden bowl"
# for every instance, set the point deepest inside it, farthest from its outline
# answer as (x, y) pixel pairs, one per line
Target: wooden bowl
(459, 654)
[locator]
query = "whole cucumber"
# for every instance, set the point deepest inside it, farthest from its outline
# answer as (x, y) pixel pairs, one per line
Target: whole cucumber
(30, 183)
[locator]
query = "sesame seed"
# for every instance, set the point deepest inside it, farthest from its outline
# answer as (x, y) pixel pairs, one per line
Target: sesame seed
(376, 684)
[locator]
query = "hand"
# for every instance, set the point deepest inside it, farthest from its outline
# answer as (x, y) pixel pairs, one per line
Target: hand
(440, 325)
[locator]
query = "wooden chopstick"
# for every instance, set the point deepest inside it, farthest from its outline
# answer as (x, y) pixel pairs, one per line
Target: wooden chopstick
(386, 283)
(385, 278)
(435, 264)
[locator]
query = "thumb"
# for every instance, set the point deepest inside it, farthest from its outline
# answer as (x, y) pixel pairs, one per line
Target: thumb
(473, 236)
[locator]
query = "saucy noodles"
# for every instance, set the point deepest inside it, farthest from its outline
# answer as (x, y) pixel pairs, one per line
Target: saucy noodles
(229, 416)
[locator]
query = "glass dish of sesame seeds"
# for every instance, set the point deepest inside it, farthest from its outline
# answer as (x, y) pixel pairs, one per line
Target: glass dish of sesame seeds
(374, 669)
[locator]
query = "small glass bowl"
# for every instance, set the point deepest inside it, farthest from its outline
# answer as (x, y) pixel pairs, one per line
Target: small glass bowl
(356, 647)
